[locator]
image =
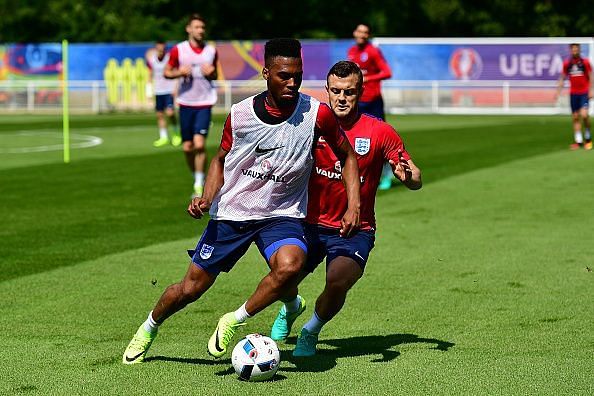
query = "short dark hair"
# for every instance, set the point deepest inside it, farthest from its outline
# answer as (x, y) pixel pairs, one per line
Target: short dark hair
(196, 17)
(572, 44)
(345, 69)
(160, 41)
(286, 47)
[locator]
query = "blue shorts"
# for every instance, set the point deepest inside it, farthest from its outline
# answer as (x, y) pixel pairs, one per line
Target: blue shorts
(163, 102)
(194, 121)
(224, 242)
(327, 242)
(374, 108)
(578, 101)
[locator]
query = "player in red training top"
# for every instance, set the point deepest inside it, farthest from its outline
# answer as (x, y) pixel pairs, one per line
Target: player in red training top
(256, 190)
(374, 142)
(194, 62)
(579, 71)
(375, 69)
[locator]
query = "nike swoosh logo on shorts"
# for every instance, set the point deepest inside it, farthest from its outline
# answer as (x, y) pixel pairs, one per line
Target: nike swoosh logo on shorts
(358, 255)
(133, 358)
(260, 150)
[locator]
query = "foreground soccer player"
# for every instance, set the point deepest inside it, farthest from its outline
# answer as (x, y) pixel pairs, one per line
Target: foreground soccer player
(256, 190)
(374, 142)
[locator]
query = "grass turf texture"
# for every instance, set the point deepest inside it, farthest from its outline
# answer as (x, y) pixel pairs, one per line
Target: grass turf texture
(480, 283)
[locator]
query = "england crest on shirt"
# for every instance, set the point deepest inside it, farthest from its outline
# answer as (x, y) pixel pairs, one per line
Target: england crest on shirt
(206, 251)
(362, 145)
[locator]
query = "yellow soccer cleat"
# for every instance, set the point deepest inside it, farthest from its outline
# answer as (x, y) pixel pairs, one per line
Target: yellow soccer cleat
(176, 140)
(220, 339)
(139, 346)
(161, 142)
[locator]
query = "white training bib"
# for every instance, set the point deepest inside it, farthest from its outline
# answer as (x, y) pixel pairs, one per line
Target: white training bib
(267, 170)
(196, 90)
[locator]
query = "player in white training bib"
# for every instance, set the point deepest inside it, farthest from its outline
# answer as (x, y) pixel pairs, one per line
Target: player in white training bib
(256, 190)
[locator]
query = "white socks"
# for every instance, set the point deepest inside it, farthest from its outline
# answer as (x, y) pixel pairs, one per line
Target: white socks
(577, 136)
(150, 325)
(315, 324)
(241, 314)
(198, 178)
(293, 306)
(587, 135)
(163, 133)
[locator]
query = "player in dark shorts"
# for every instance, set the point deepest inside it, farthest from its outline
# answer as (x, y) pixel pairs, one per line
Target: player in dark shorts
(374, 142)
(579, 71)
(256, 191)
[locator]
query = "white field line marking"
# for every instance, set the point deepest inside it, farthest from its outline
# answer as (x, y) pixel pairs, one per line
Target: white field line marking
(81, 141)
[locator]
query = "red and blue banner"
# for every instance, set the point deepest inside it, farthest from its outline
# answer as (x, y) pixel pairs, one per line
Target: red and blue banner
(243, 60)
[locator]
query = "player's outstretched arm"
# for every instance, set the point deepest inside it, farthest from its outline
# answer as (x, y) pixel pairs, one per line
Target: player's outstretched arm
(214, 182)
(407, 172)
(350, 176)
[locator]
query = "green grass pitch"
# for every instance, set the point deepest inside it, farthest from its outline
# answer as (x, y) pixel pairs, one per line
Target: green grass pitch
(480, 283)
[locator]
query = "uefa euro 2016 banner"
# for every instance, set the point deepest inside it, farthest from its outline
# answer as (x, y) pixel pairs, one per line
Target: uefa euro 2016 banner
(410, 59)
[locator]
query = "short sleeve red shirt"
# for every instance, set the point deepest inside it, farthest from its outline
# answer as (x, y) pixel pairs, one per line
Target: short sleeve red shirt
(374, 142)
(578, 71)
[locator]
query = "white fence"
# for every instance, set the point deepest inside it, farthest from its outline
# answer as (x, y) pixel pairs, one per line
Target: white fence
(445, 97)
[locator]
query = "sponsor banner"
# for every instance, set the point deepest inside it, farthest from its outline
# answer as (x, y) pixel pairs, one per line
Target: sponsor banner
(42, 61)
(243, 60)
(477, 62)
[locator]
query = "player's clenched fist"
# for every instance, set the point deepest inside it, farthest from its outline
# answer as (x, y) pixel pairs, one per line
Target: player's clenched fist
(197, 207)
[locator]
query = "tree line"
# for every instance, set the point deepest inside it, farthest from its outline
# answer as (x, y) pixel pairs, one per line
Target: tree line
(141, 20)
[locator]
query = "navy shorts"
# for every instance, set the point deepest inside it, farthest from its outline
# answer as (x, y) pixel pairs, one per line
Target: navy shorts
(224, 242)
(374, 108)
(327, 242)
(194, 121)
(578, 101)
(163, 102)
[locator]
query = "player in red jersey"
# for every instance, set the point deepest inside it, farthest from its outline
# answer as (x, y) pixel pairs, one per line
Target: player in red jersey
(374, 142)
(194, 62)
(579, 71)
(375, 69)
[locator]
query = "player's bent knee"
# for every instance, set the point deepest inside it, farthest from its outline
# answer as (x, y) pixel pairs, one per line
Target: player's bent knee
(287, 269)
(338, 285)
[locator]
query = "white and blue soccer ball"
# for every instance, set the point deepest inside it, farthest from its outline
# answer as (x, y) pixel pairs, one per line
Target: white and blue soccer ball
(255, 358)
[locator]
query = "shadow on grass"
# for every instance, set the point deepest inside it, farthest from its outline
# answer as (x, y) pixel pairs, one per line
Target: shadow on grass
(208, 362)
(203, 362)
(326, 359)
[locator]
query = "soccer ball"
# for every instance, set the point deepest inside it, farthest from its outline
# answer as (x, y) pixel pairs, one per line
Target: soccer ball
(255, 358)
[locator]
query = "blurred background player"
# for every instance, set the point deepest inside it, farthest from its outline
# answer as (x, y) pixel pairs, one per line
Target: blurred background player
(256, 191)
(194, 63)
(375, 143)
(375, 69)
(579, 71)
(163, 89)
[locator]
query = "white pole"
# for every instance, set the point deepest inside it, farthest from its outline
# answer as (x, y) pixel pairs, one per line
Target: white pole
(30, 96)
